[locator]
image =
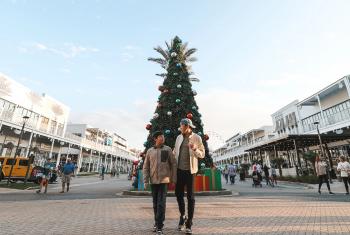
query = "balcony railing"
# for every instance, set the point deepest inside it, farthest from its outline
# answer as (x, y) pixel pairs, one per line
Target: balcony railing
(331, 116)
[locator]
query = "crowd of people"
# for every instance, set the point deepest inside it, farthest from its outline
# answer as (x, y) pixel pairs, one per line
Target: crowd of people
(259, 172)
(230, 171)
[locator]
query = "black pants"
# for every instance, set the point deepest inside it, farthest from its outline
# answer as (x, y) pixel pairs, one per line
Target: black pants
(159, 192)
(321, 179)
(346, 181)
(232, 179)
(226, 178)
(267, 178)
(185, 178)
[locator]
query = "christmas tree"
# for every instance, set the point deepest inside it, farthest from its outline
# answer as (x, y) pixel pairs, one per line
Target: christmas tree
(176, 100)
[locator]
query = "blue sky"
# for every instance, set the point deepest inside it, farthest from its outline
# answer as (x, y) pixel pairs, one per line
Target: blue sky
(254, 56)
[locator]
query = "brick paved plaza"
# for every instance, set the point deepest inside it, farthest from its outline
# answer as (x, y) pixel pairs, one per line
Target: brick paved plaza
(285, 210)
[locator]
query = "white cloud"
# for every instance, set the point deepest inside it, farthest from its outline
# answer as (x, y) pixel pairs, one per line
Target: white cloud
(67, 50)
(103, 78)
(129, 52)
(30, 81)
(126, 56)
(226, 112)
(65, 70)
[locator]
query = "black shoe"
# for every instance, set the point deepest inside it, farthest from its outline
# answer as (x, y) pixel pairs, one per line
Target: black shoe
(38, 191)
(331, 192)
(154, 228)
(319, 191)
(160, 232)
(347, 193)
(182, 222)
(188, 231)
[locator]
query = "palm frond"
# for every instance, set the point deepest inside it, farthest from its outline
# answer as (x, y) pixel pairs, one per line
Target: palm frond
(162, 74)
(194, 79)
(191, 59)
(163, 52)
(167, 45)
(184, 47)
(158, 60)
(189, 52)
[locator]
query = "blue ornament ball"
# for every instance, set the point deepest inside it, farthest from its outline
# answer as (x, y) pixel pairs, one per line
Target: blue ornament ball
(179, 86)
(199, 133)
(178, 65)
(178, 100)
(194, 107)
(175, 74)
(167, 132)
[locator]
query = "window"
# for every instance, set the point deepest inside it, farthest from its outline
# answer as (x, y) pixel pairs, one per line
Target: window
(2, 160)
(23, 162)
(53, 127)
(10, 162)
(44, 123)
(60, 129)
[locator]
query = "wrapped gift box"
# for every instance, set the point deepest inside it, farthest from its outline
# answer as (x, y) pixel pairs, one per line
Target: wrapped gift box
(214, 179)
(201, 183)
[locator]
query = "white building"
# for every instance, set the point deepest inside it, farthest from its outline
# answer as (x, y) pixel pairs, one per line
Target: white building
(45, 130)
(234, 151)
(328, 109)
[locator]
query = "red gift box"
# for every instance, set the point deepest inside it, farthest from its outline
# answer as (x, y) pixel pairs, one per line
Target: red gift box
(201, 183)
(171, 187)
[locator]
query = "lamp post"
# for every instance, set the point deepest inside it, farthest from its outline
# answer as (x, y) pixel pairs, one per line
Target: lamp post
(322, 150)
(25, 119)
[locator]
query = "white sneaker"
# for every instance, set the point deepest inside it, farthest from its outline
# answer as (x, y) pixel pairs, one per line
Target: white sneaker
(188, 231)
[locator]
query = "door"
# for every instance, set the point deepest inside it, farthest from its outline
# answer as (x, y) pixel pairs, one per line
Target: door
(7, 167)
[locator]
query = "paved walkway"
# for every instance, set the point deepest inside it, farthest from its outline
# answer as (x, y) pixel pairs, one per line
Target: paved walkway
(257, 211)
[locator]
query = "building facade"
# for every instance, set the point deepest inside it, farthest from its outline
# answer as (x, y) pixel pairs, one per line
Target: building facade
(46, 135)
(328, 110)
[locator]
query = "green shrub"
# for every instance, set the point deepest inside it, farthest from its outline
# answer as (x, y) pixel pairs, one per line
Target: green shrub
(309, 179)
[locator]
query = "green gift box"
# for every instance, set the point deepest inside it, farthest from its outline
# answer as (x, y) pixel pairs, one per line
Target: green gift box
(214, 179)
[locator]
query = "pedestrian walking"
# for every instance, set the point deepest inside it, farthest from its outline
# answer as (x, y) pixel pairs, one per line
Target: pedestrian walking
(321, 171)
(259, 171)
(103, 169)
(67, 173)
(44, 183)
(232, 173)
(267, 175)
(188, 149)
(159, 169)
(273, 175)
(226, 173)
(113, 172)
(344, 169)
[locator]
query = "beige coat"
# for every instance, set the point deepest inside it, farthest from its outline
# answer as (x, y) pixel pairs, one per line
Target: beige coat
(194, 155)
(159, 166)
(321, 168)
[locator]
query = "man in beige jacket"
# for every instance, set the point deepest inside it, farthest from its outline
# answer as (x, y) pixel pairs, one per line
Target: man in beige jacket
(159, 169)
(188, 149)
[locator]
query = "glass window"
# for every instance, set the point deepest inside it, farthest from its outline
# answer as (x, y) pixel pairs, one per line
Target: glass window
(23, 162)
(10, 161)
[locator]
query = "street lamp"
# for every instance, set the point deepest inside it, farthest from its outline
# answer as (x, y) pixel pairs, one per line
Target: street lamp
(322, 150)
(25, 119)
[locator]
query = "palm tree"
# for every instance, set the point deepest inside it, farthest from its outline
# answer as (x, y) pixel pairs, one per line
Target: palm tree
(185, 56)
